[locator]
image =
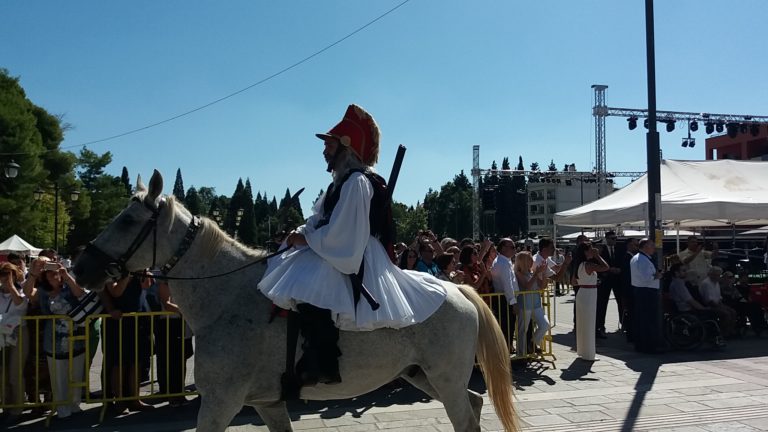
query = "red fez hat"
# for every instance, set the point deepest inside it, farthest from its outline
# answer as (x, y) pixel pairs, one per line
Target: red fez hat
(358, 131)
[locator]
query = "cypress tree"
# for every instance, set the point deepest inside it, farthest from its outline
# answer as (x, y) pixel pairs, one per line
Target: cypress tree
(178, 187)
(126, 181)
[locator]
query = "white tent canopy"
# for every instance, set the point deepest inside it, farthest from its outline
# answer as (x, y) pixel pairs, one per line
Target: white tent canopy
(17, 244)
(628, 233)
(693, 193)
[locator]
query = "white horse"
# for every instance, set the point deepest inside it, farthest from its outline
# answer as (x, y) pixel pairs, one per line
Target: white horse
(240, 356)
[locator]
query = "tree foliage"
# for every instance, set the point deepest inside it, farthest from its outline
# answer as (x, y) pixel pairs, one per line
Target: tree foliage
(449, 211)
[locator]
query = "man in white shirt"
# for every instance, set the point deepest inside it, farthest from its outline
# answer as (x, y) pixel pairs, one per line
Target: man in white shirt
(709, 290)
(544, 255)
(697, 259)
(647, 308)
(504, 282)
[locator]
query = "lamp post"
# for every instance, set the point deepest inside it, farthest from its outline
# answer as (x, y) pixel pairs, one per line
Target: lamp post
(11, 170)
(653, 152)
(238, 218)
(73, 196)
(216, 216)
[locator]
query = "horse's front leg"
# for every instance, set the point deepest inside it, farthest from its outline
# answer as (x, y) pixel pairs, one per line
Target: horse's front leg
(275, 416)
(217, 410)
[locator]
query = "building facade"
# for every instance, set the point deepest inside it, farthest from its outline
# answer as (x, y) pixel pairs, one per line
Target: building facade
(559, 192)
(744, 146)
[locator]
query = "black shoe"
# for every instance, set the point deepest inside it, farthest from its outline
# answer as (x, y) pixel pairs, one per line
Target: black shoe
(600, 334)
(329, 379)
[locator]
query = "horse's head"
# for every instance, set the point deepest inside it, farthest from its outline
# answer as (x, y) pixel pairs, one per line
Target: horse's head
(141, 236)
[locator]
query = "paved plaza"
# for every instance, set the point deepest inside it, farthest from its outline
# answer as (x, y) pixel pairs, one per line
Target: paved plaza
(697, 391)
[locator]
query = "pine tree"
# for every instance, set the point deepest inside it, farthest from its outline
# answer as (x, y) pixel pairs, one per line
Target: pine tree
(235, 204)
(194, 203)
(178, 187)
(247, 232)
(126, 181)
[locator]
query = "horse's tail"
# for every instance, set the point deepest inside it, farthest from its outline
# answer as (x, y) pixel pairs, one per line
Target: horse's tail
(493, 357)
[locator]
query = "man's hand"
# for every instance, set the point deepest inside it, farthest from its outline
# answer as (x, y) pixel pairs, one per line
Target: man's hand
(516, 309)
(295, 239)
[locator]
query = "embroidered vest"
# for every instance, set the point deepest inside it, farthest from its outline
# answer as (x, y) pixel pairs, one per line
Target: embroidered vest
(379, 216)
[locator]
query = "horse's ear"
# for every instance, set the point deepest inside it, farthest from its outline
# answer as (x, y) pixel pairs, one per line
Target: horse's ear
(155, 187)
(140, 184)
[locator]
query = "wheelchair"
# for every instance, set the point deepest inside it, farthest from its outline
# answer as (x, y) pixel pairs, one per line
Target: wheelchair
(688, 331)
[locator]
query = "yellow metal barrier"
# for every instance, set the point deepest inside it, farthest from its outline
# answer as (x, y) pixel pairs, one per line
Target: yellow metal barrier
(160, 325)
(510, 325)
(29, 346)
(29, 354)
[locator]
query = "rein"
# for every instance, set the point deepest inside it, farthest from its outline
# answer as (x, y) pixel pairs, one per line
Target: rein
(164, 277)
(116, 268)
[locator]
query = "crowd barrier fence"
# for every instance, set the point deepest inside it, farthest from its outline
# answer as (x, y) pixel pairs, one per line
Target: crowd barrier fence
(26, 376)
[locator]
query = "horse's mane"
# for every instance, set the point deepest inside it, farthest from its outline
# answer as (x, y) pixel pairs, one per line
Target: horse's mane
(211, 237)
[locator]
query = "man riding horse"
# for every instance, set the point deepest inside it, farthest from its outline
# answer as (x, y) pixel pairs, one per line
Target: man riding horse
(341, 250)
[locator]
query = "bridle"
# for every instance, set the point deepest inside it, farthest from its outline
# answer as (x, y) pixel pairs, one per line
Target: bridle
(116, 268)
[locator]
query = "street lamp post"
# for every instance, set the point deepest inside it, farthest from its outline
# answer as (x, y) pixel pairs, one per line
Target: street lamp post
(11, 170)
(73, 196)
(653, 153)
(238, 218)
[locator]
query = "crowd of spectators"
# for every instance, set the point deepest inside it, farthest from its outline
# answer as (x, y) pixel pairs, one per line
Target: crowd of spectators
(519, 271)
(36, 363)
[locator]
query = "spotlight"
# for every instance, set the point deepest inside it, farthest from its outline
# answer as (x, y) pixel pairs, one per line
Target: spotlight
(670, 125)
(568, 183)
(719, 127)
(685, 142)
(709, 127)
(733, 129)
(632, 122)
(645, 123)
(754, 129)
(693, 126)
(692, 143)
(743, 128)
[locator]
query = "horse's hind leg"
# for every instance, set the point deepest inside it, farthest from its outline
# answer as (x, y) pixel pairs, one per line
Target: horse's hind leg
(275, 416)
(420, 381)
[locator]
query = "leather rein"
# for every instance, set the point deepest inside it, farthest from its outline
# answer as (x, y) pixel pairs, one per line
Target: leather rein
(117, 268)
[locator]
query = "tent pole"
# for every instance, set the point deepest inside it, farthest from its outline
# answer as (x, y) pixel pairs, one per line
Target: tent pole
(677, 227)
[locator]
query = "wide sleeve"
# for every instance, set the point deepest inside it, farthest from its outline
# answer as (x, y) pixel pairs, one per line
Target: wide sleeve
(317, 214)
(343, 240)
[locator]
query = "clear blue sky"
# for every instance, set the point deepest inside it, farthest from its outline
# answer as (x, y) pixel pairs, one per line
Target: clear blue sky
(438, 76)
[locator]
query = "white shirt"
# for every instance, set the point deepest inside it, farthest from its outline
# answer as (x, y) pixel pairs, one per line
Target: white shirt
(551, 264)
(710, 291)
(504, 278)
(643, 271)
(698, 267)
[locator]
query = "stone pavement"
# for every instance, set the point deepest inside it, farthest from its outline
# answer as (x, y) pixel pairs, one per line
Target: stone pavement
(694, 391)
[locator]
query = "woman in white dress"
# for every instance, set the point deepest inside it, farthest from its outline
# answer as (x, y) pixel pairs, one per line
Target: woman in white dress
(586, 299)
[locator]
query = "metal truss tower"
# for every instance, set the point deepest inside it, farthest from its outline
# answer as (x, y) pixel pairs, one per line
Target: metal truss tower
(475, 191)
(599, 111)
